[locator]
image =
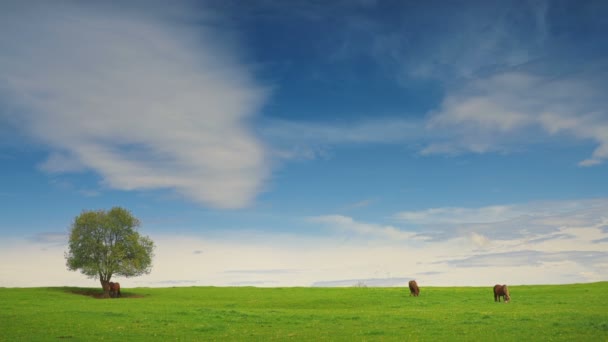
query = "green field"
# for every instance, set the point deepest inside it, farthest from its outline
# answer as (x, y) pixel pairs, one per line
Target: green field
(563, 312)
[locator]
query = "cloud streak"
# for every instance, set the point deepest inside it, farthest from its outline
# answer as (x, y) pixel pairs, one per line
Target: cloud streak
(532, 258)
(349, 225)
(134, 97)
(531, 222)
(311, 140)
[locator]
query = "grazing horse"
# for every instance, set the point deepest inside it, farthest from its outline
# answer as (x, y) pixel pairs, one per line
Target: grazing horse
(414, 290)
(501, 291)
(114, 290)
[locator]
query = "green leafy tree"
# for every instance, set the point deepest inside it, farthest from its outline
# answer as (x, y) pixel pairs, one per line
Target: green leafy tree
(106, 243)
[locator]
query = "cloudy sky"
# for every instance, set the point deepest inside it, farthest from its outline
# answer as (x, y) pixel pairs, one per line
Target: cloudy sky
(309, 143)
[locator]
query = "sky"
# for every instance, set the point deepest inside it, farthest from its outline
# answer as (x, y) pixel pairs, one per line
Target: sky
(309, 143)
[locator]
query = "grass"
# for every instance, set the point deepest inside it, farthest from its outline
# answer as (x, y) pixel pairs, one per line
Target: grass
(542, 313)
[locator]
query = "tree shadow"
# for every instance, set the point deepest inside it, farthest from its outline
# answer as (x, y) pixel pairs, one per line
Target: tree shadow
(98, 293)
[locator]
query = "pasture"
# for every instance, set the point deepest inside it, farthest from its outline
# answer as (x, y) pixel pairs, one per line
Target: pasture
(561, 312)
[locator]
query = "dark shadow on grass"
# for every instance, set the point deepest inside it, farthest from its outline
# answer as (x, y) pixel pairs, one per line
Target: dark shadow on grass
(98, 293)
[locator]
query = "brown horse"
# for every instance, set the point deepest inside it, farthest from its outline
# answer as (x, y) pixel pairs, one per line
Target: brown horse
(114, 290)
(414, 289)
(501, 291)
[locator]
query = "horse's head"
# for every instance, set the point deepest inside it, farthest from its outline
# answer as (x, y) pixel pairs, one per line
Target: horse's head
(507, 295)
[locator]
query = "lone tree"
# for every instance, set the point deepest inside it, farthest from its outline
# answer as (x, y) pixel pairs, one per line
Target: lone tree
(106, 243)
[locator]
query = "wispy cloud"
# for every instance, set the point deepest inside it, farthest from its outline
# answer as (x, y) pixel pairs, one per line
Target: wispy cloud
(310, 140)
(457, 41)
(488, 114)
(497, 113)
(361, 204)
(455, 215)
(509, 80)
(532, 258)
(135, 97)
(348, 224)
(530, 221)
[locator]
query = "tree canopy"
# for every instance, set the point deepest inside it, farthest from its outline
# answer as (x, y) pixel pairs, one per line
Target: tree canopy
(106, 243)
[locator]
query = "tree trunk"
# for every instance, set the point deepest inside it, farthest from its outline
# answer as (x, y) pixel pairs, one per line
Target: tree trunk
(105, 285)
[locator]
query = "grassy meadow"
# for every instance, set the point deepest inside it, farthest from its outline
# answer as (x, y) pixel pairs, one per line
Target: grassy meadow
(558, 312)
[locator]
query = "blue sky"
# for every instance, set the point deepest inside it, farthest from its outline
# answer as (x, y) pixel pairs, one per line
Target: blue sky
(308, 143)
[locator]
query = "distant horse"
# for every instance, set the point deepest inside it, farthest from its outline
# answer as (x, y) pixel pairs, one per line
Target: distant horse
(414, 289)
(114, 290)
(501, 291)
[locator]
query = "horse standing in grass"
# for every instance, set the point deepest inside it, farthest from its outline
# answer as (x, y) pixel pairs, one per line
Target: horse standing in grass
(114, 290)
(501, 291)
(414, 289)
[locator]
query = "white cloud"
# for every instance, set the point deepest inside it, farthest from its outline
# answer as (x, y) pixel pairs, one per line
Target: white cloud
(144, 102)
(505, 109)
(593, 126)
(479, 239)
(482, 113)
